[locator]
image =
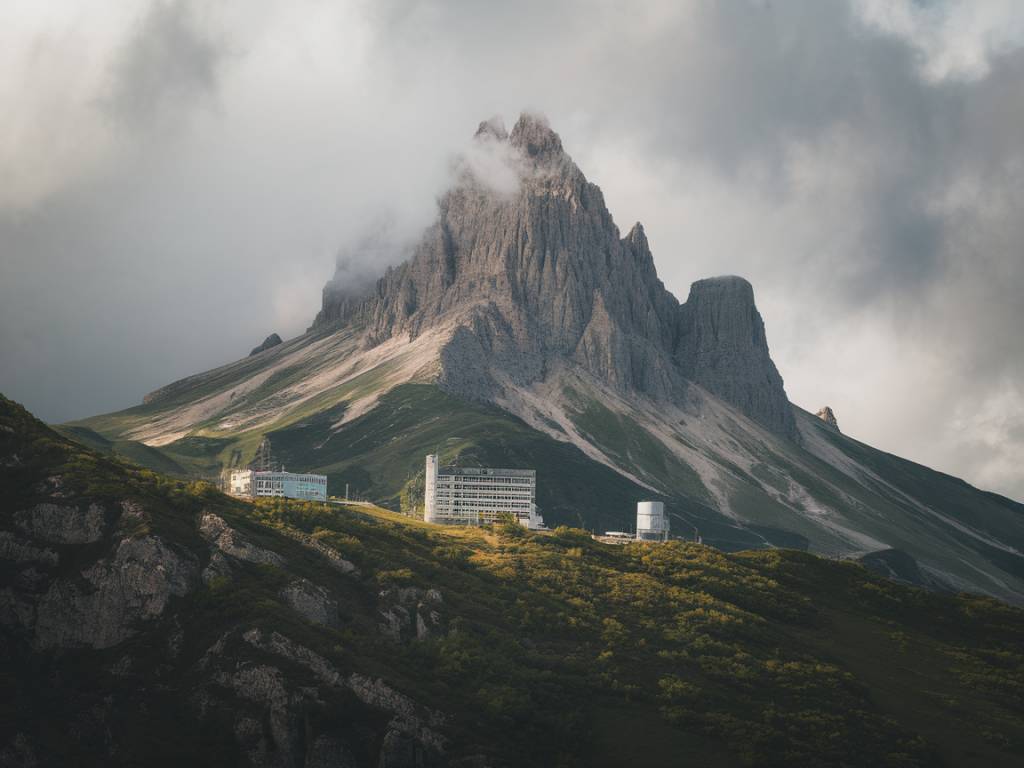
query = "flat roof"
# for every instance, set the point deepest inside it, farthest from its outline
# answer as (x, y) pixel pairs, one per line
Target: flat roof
(484, 471)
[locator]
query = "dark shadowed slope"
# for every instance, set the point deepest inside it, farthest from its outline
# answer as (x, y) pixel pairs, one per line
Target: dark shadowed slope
(145, 620)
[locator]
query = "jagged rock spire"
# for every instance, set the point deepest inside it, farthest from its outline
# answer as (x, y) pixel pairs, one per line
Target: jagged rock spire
(492, 128)
(721, 345)
(542, 277)
(826, 415)
(533, 135)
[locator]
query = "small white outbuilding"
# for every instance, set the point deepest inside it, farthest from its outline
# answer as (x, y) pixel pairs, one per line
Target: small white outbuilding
(651, 521)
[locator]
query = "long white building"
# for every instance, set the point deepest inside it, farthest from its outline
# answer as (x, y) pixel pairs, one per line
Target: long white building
(479, 495)
(289, 485)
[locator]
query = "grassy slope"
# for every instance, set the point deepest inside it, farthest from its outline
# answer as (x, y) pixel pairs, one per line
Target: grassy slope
(132, 450)
(380, 455)
(989, 513)
(565, 651)
(891, 508)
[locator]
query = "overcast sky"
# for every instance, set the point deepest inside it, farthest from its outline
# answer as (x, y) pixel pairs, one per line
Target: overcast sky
(176, 179)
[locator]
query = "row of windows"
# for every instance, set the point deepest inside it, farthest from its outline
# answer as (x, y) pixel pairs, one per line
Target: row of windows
(474, 479)
(486, 489)
(313, 479)
(477, 501)
(484, 504)
(482, 508)
(505, 486)
(474, 494)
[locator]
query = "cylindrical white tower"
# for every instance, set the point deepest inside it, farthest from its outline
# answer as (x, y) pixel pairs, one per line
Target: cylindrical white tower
(651, 522)
(430, 490)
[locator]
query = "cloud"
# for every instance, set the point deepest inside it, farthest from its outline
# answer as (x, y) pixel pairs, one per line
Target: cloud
(169, 63)
(956, 39)
(491, 161)
(180, 177)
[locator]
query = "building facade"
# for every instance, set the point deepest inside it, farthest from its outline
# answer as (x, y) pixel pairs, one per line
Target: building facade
(479, 495)
(651, 521)
(289, 485)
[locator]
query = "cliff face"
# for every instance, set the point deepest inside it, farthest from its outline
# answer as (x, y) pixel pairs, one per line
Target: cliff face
(539, 275)
(721, 345)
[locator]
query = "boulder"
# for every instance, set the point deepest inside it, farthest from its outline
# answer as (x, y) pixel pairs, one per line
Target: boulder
(268, 343)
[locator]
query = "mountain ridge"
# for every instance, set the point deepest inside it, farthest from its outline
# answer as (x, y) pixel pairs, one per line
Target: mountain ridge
(542, 274)
(524, 325)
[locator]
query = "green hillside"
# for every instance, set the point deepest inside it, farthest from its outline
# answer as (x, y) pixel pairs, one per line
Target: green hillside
(762, 491)
(380, 456)
(535, 649)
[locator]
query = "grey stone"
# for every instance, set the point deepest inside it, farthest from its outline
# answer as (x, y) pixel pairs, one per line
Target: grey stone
(333, 556)
(19, 551)
(217, 568)
(418, 722)
(826, 415)
(232, 543)
(62, 524)
(541, 276)
(409, 613)
(722, 346)
(268, 343)
(136, 584)
(312, 602)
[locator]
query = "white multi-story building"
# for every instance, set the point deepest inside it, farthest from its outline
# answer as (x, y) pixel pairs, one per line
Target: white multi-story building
(290, 485)
(479, 495)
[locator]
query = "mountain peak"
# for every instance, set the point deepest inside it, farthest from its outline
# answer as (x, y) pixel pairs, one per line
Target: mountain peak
(826, 415)
(493, 127)
(533, 135)
(540, 279)
(637, 235)
(723, 347)
(733, 285)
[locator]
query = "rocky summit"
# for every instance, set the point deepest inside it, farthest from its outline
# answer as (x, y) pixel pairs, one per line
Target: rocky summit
(540, 275)
(826, 415)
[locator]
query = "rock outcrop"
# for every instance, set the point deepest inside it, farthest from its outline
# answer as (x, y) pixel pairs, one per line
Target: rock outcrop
(411, 613)
(59, 524)
(104, 605)
(312, 602)
(826, 415)
(271, 341)
(526, 266)
(234, 544)
(722, 346)
(411, 724)
(79, 574)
